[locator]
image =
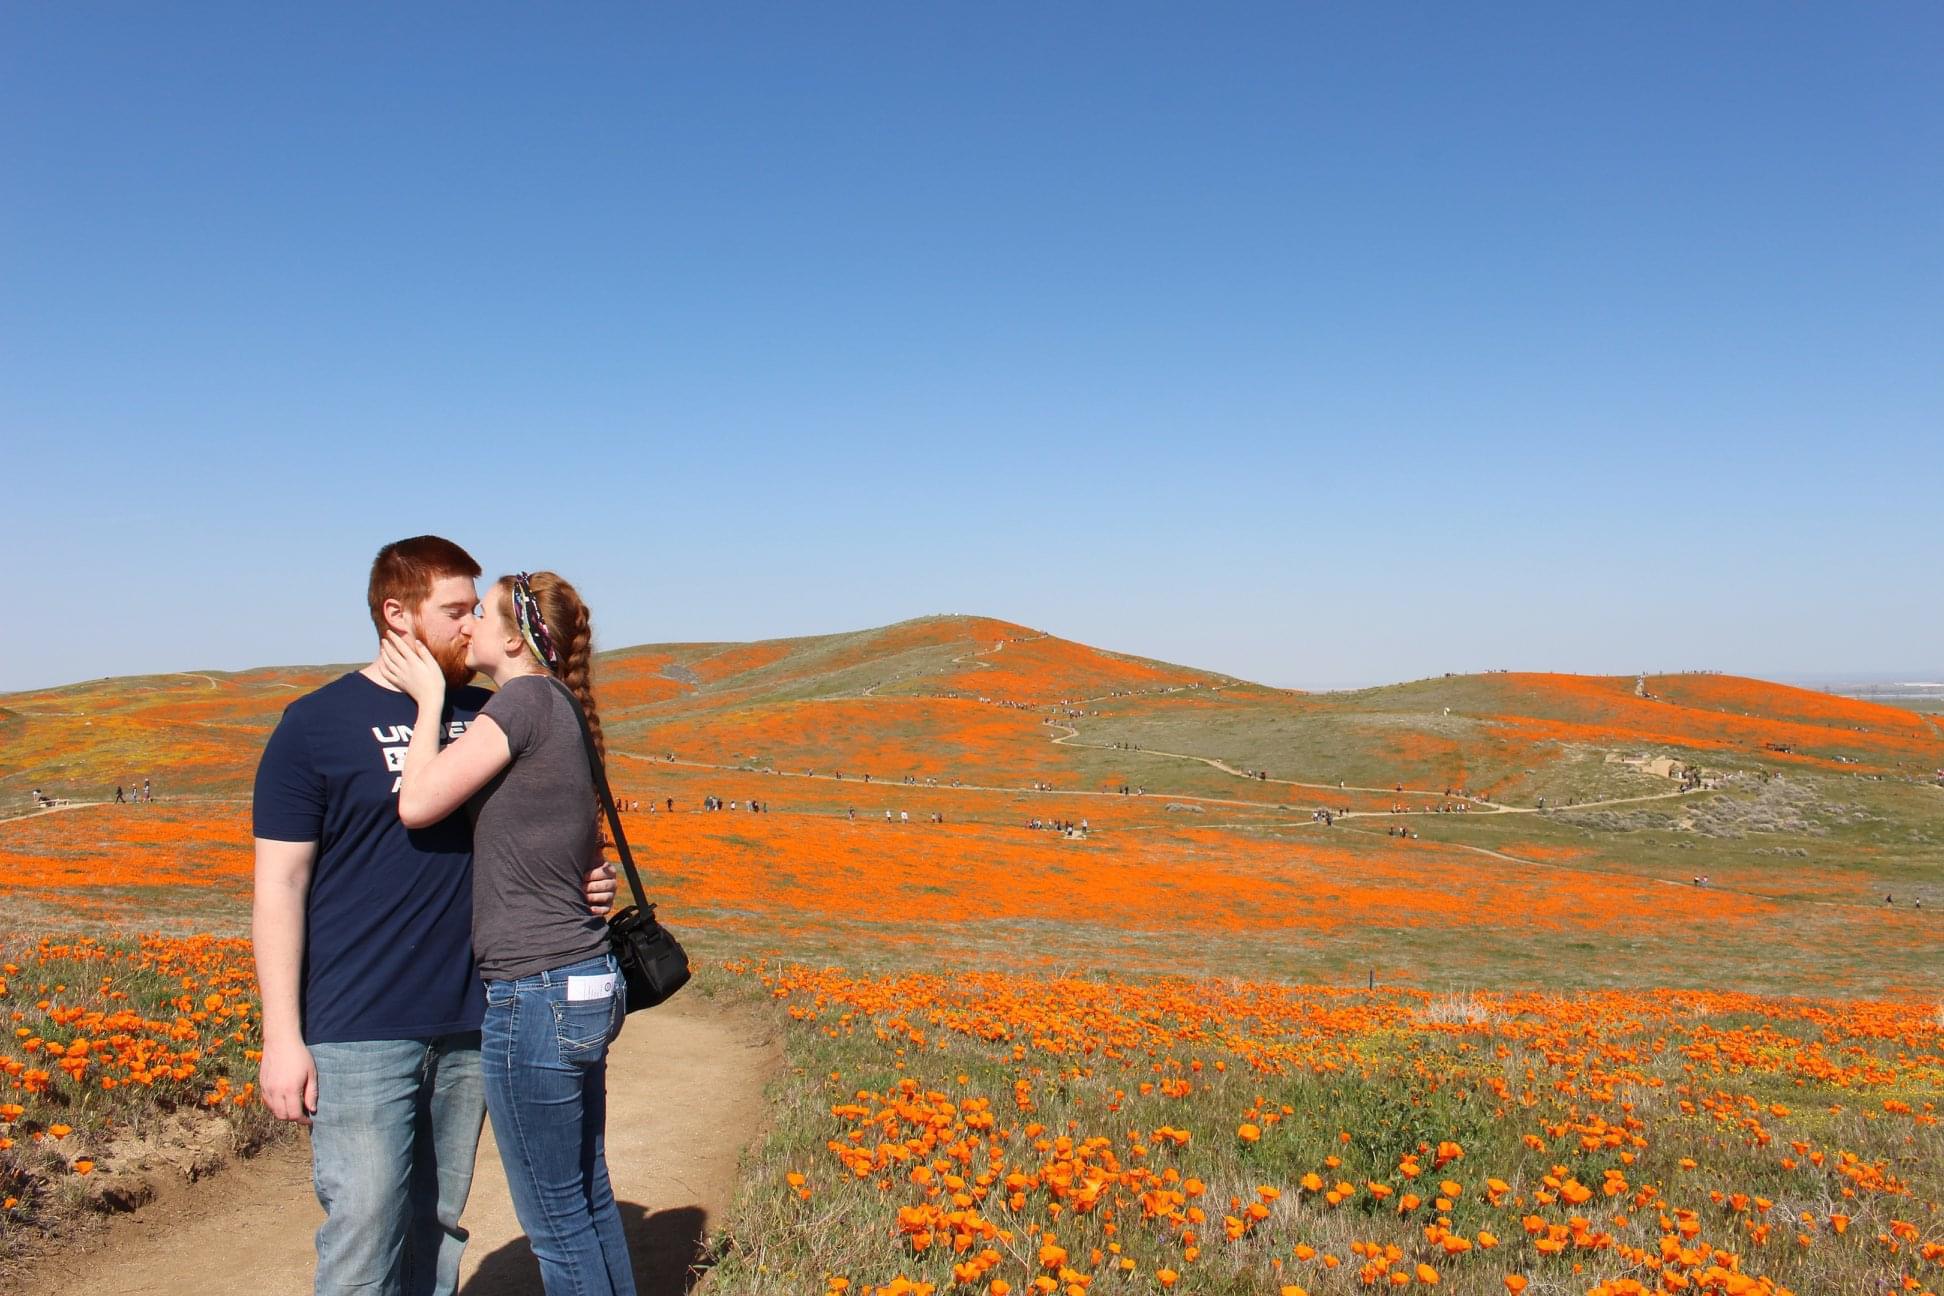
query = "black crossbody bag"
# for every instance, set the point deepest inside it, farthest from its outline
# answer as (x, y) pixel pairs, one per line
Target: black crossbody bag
(653, 963)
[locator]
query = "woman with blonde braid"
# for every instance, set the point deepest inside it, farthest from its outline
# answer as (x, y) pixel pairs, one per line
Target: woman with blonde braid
(554, 996)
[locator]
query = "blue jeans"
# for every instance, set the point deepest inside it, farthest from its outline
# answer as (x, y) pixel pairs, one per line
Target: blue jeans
(392, 1148)
(543, 1052)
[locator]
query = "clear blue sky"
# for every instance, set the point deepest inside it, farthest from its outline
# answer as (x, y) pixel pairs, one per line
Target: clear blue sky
(1314, 344)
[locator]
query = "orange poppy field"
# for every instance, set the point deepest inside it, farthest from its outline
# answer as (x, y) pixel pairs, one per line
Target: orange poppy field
(1105, 975)
(1053, 1134)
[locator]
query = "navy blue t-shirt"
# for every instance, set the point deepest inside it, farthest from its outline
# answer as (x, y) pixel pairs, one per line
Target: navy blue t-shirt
(388, 927)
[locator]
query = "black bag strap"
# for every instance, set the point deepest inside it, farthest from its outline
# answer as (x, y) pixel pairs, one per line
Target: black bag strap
(601, 785)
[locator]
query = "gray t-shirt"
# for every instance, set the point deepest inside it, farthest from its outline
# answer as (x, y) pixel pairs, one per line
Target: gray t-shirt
(534, 833)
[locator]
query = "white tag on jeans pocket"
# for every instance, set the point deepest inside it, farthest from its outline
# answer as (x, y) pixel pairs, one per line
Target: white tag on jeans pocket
(589, 987)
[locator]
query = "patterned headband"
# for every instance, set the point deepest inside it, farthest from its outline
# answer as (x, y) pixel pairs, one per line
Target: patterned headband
(533, 626)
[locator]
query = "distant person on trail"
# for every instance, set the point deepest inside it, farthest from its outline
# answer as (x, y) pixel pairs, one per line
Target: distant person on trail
(147, 795)
(119, 799)
(372, 1000)
(555, 1001)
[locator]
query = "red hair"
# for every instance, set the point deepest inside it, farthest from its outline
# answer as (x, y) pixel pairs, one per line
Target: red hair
(572, 630)
(406, 570)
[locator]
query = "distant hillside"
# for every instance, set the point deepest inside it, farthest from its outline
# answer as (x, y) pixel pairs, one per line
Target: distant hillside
(192, 733)
(992, 702)
(200, 733)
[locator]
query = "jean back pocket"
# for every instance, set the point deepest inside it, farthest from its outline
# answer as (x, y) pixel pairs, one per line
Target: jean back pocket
(584, 1027)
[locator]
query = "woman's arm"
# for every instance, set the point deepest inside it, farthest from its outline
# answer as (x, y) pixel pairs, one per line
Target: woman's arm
(437, 782)
(434, 783)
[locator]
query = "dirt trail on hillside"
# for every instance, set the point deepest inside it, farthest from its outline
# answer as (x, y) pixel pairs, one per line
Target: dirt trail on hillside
(1162, 794)
(1487, 806)
(685, 1097)
(65, 805)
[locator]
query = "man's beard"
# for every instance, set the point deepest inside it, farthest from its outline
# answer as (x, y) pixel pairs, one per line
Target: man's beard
(451, 659)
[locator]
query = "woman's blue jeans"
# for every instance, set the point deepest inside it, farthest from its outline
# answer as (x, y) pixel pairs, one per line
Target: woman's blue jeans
(543, 1055)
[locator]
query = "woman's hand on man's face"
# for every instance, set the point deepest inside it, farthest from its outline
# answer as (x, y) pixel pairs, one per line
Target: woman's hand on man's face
(411, 667)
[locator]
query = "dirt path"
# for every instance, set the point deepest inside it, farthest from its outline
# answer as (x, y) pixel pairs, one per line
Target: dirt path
(83, 805)
(1488, 807)
(57, 808)
(685, 1095)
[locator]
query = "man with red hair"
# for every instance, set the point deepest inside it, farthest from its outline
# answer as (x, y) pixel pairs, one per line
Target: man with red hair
(363, 932)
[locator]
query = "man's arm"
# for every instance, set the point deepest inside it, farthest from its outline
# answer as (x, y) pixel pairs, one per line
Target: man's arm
(286, 1076)
(600, 883)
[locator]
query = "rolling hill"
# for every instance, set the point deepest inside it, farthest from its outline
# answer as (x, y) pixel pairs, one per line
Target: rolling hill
(1533, 823)
(999, 704)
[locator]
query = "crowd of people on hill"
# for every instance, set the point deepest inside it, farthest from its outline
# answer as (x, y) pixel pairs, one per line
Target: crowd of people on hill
(124, 795)
(901, 816)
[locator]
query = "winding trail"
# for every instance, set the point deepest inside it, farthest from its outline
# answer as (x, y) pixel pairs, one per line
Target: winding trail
(685, 1097)
(1491, 807)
